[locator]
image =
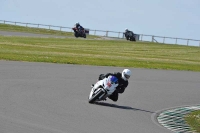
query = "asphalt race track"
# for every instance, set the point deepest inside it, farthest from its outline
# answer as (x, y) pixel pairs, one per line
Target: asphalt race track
(53, 98)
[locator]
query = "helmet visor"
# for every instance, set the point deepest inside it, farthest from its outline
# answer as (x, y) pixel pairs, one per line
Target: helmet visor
(126, 76)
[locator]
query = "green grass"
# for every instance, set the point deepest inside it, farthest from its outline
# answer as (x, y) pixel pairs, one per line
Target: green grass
(15, 28)
(193, 120)
(100, 53)
(96, 52)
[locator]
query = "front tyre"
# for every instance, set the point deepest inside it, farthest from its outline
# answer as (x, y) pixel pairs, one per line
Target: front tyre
(96, 96)
(76, 34)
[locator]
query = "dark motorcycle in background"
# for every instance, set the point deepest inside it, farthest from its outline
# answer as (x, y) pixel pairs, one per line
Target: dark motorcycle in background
(130, 36)
(79, 33)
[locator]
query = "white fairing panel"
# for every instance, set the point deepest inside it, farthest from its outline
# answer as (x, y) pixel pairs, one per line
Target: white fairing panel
(109, 86)
(106, 83)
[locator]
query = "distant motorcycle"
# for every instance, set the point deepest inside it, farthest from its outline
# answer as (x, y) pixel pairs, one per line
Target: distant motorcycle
(103, 88)
(130, 36)
(79, 33)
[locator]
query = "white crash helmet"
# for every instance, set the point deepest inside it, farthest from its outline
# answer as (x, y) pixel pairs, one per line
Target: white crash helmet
(126, 73)
(126, 29)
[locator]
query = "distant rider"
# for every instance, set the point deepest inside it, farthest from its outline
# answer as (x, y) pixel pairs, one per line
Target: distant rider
(129, 35)
(79, 27)
(122, 81)
(127, 31)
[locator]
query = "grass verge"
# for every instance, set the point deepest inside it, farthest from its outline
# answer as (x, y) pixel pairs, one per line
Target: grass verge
(100, 53)
(193, 120)
(15, 28)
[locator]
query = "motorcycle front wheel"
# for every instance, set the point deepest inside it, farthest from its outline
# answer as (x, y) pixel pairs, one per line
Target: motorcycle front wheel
(76, 34)
(96, 96)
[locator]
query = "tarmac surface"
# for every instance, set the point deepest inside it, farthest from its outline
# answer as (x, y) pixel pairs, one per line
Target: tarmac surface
(53, 98)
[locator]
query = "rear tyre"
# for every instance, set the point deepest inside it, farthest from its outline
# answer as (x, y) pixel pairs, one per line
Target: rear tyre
(84, 35)
(132, 39)
(96, 96)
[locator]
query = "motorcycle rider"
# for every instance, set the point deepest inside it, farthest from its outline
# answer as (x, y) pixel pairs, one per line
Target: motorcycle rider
(128, 33)
(122, 81)
(126, 30)
(78, 26)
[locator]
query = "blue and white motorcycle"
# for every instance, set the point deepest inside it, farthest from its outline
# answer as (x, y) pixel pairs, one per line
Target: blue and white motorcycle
(103, 89)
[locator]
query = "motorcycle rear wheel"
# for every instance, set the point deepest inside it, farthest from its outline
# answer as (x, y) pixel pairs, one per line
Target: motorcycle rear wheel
(84, 36)
(132, 39)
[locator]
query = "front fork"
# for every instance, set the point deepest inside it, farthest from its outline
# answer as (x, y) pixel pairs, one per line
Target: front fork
(96, 91)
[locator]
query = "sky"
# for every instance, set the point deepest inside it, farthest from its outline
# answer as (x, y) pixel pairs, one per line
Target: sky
(170, 18)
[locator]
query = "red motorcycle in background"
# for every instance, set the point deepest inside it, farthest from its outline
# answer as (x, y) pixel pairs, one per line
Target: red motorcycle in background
(79, 33)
